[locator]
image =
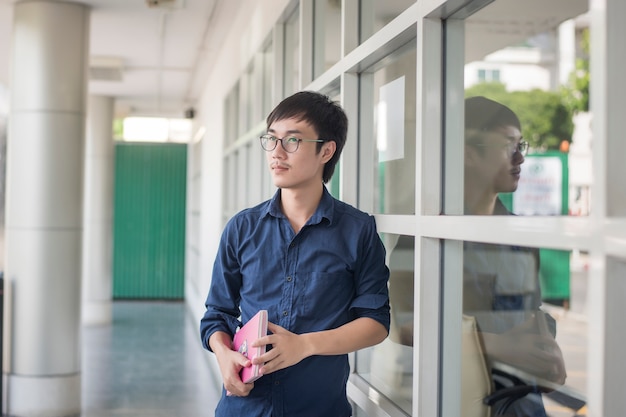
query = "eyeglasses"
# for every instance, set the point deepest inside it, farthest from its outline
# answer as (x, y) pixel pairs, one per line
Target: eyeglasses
(289, 143)
(512, 147)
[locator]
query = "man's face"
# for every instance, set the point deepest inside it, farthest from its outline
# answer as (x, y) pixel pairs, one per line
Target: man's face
(305, 166)
(494, 162)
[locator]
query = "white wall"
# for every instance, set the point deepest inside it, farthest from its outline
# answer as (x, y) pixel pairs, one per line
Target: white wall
(6, 34)
(251, 22)
(517, 77)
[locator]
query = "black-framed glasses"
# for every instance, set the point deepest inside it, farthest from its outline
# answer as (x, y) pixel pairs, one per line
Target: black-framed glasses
(289, 143)
(512, 147)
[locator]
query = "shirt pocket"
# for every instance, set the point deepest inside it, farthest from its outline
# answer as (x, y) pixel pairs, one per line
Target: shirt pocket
(327, 296)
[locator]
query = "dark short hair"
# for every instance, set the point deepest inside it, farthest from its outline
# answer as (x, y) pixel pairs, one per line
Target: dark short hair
(323, 114)
(483, 114)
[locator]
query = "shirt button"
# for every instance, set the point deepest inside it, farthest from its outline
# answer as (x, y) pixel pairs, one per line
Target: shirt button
(288, 279)
(285, 313)
(276, 382)
(292, 245)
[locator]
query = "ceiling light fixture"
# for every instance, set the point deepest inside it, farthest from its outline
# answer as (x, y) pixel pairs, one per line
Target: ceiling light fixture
(165, 4)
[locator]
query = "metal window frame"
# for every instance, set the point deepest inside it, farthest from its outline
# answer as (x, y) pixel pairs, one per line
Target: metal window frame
(438, 177)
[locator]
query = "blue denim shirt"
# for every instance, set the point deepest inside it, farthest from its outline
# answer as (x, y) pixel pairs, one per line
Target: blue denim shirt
(332, 272)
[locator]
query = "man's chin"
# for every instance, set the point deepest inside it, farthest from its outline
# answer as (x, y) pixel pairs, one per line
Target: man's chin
(510, 189)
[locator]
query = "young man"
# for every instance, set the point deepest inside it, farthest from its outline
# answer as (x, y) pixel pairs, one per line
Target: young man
(500, 282)
(315, 263)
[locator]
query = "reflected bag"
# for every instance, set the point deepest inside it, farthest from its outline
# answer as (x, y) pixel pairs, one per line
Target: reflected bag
(512, 384)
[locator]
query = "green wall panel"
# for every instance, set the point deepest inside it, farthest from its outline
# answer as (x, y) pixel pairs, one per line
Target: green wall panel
(149, 221)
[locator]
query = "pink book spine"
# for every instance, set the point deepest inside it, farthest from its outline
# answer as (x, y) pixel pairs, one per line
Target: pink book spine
(255, 328)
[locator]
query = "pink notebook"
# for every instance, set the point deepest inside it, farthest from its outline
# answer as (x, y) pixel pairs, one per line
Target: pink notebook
(255, 328)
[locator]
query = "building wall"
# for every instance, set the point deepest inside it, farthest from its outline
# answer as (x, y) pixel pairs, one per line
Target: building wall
(416, 198)
(6, 29)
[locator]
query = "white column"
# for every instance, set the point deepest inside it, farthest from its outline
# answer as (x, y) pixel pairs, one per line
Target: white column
(98, 212)
(566, 50)
(4, 114)
(44, 208)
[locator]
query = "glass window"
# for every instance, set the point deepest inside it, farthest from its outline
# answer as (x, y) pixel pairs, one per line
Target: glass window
(327, 35)
(388, 367)
(268, 183)
(230, 186)
(376, 14)
(514, 338)
(267, 79)
(231, 116)
(523, 318)
(526, 115)
(246, 99)
(256, 164)
(488, 75)
(334, 184)
(389, 119)
(242, 177)
(292, 54)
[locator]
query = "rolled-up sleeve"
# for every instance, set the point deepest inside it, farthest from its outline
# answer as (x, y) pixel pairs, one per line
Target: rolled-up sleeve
(372, 278)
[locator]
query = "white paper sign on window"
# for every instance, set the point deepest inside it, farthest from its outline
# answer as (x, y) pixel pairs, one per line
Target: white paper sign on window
(390, 126)
(539, 192)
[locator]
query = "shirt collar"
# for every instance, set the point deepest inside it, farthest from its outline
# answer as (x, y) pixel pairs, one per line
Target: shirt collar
(325, 209)
(500, 209)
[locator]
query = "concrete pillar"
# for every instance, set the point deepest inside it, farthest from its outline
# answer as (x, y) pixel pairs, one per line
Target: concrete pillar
(44, 208)
(4, 114)
(566, 51)
(98, 212)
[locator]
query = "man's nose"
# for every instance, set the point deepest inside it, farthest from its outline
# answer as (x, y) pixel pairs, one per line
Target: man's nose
(279, 151)
(518, 158)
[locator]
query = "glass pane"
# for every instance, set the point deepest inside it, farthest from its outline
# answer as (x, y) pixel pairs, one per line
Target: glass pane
(268, 72)
(391, 122)
(388, 367)
(334, 183)
(527, 88)
(514, 339)
(571, 324)
(256, 165)
(292, 54)
(246, 99)
(241, 160)
(327, 32)
(4, 112)
(231, 116)
(230, 187)
(375, 14)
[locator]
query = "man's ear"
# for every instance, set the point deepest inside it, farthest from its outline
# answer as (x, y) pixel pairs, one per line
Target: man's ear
(328, 150)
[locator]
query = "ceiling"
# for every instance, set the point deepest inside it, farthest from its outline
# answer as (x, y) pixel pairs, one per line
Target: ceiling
(508, 22)
(153, 59)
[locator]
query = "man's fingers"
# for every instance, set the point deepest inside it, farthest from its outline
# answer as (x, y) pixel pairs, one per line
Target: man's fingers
(274, 328)
(235, 391)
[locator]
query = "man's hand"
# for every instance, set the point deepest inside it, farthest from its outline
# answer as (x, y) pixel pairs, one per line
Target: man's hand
(287, 349)
(230, 362)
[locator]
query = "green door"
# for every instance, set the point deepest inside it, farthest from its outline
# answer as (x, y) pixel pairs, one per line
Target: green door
(149, 221)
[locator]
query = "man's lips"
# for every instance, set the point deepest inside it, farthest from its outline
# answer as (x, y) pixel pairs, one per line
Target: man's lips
(279, 167)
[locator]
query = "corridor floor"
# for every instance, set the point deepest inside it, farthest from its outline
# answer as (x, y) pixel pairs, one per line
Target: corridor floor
(148, 363)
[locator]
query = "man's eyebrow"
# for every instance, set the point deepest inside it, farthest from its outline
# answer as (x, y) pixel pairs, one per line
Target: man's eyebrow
(289, 132)
(514, 138)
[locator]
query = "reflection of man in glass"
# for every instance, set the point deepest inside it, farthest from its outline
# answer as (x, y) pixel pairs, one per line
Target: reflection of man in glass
(500, 282)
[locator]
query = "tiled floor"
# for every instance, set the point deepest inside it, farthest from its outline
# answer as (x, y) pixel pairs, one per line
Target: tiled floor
(148, 362)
